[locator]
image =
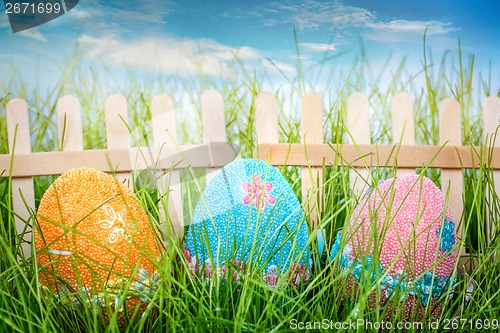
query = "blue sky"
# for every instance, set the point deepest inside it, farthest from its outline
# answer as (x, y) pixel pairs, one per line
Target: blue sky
(182, 38)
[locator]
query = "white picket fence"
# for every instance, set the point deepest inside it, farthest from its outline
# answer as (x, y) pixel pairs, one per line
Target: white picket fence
(311, 155)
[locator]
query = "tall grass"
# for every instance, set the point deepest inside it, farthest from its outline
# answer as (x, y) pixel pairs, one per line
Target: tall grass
(184, 302)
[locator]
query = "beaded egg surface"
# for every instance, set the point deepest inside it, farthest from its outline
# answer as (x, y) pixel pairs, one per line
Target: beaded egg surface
(93, 238)
(401, 235)
(248, 216)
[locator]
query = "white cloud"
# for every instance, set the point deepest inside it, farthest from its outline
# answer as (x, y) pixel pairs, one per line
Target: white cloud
(344, 19)
(147, 11)
(404, 30)
(274, 65)
(121, 16)
(169, 54)
(318, 47)
(313, 15)
(80, 14)
(32, 33)
(270, 23)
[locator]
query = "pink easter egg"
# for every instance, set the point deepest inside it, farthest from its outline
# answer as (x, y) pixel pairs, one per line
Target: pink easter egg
(401, 237)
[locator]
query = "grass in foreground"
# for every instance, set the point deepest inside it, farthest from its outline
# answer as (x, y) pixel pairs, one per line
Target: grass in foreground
(185, 302)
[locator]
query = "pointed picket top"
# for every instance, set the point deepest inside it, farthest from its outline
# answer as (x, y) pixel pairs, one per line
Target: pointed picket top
(358, 126)
(214, 123)
(117, 132)
(266, 118)
(311, 131)
(358, 119)
(164, 124)
(403, 124)
(18, 132)
(165, 134)
(450, 124)
(491, 118)
(17, 116)
(452, 182)
(70, 124)
(311, 121)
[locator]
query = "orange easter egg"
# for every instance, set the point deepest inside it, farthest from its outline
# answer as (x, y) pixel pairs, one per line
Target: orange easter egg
(94, 240)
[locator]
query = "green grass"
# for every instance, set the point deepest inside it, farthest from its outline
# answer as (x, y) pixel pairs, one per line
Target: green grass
(184, 302)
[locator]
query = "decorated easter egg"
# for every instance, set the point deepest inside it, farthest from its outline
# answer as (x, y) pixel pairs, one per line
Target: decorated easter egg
(401, 237)
(93, 240)
(249, 221)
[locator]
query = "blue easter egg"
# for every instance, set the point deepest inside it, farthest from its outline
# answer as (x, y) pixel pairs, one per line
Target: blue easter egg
(249, 216)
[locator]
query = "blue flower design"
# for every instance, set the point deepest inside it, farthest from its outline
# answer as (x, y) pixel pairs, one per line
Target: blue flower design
(358, 269)
(398, 281)
(424, 287)
(336, 245)
(430, 285)
(442, 285)
(345, 260)
(394, 283)
(427, 287)
(387, 282)
(147, 285)
(447, 238)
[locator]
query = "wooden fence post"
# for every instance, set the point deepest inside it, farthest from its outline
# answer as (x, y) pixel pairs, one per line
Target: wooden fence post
(403, 124)
(117, 132)
(23, 195)
(70, 124)
(214, 124)
(266, 118)
(169, 182)
(491, 118)
(311, 131)
(358, 126)
(452, 182)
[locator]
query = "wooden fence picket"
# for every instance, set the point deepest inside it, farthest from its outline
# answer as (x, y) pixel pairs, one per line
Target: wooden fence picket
(266, 119)
(117, 132)
(311, 132)
(491, 121)
(70, 124)
(358, 126)
(214, 125)
(23, 194)
(403, 127)
(452, 181)
(169, 181)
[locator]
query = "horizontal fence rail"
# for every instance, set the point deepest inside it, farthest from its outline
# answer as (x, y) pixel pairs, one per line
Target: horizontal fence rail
(169, 156)
(404, 156)
(125, 160)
